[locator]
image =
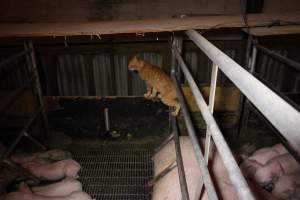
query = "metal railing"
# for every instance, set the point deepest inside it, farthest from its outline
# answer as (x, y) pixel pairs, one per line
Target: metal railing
(293, 148)
(34, 84)
(281, 114)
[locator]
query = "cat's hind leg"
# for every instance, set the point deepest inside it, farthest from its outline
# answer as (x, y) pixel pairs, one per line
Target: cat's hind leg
(172, 103)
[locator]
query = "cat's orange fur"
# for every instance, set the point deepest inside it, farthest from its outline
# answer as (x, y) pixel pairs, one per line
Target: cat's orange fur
(157, 81)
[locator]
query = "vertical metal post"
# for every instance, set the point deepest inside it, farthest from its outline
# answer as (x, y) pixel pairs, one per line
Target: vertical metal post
(206, 178)
(38, 88)
(230, 164)
(212, 94)
(106, 119)
(246, 112)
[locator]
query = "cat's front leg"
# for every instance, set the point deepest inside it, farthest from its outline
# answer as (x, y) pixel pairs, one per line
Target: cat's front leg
(149, 92)
(154, 93)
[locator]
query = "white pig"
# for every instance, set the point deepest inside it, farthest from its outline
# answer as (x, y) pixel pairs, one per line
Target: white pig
(55, 171)
(61, 188)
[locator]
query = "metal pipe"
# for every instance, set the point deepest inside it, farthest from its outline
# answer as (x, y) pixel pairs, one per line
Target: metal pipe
(211, 104)
(106, 119)
(180, 166)
(21, 134)
(198, 152)
(162, 173)
(283, 116)
(230, 164)
(30, 48)
(35, 141)
(13, 58)
(279, 57)
(164, 143)
(246, 111)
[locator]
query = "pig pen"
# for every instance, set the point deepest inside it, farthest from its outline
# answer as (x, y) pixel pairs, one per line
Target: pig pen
(116, 163)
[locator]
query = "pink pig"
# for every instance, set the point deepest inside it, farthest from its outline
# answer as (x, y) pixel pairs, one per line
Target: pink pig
(25, 193)
(55, 171)
(274, 169)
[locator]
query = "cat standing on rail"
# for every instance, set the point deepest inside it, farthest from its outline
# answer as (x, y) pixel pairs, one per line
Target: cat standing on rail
(157, 81)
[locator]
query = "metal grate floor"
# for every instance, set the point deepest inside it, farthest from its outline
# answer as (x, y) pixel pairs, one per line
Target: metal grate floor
(116, 174)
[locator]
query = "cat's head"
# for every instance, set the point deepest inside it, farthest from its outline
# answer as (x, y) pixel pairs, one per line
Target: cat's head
(135, 64)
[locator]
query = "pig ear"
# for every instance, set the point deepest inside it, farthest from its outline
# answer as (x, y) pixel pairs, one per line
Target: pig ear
(24, 188)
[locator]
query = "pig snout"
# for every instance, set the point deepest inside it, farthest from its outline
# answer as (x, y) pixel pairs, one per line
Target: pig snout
(288, 187)
(72, 169)
(266, 176)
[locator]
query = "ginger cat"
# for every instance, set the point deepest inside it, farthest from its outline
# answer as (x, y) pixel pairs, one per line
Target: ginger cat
(157, 81)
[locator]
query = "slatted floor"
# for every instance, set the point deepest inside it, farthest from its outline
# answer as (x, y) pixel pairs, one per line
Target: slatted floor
(116, 174)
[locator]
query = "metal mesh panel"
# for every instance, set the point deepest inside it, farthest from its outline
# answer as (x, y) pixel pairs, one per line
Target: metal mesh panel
(110, 173)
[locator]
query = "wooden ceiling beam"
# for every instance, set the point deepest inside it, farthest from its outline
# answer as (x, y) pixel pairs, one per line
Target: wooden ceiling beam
(141, 26)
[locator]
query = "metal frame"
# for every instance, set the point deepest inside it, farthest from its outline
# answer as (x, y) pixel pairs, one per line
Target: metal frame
(288, 122)
(36, 89)
(256, 47)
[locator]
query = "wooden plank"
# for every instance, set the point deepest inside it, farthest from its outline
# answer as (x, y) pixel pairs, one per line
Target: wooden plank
(139, 26)
(275, 30)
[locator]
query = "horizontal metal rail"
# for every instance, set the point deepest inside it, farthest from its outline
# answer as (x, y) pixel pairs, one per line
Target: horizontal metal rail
(196, 146)
(281, 114)
(279, 57)
(230, 164)
(14, 58)
(180, 166)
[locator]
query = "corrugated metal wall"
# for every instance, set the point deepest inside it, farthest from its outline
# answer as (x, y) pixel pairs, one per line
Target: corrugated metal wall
(280, 76)
(106, 74)
(98, 74)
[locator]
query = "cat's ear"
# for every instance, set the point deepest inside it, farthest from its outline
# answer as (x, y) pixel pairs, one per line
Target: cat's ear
(134, 57)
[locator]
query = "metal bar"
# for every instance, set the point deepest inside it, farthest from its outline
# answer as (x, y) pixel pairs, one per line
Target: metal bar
(230, 164)
(198, 152)
(164, 143)
(35, 141)
(283, 116)
(246, 113)
(21, 170)
(21, 134)
(253, 60)
(162, 173)
(279, 57)
(38, 87)
(106, 119)
(180, 166)
(212, 94)
(13, 58)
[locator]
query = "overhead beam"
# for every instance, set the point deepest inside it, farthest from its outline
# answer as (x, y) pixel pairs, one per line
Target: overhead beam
(140, 26)
(275, 30)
